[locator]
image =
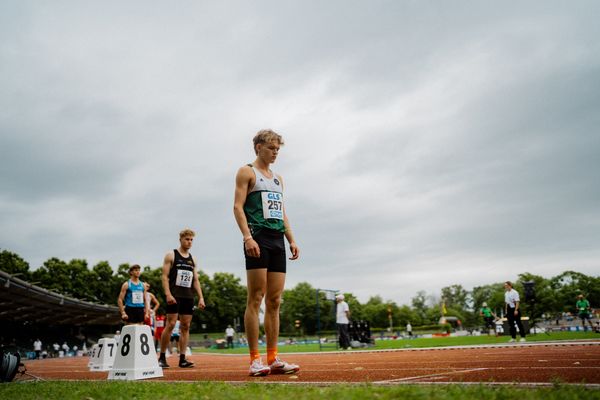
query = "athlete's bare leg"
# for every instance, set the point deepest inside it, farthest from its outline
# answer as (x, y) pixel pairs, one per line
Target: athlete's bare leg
(257, 286)
(275, 284)
(184, 329)
(165, 338)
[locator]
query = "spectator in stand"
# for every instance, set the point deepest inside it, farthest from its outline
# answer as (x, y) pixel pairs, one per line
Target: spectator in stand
(37, 347)
(55, 349)
(229, 333)
(65, 348)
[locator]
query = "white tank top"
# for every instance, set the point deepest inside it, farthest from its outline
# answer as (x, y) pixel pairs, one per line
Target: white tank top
(263, 183)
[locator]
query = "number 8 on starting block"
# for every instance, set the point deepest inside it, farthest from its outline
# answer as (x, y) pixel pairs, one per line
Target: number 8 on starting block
(136, 355)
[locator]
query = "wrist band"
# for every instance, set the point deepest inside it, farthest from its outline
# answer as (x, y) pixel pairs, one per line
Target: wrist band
(247, 238)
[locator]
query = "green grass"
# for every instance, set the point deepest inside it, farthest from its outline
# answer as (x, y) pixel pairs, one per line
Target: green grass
(209, 390)
(421, 342)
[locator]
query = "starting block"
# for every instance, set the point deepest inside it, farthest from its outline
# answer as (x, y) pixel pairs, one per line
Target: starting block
(136, 355)
(103, 355)
(93, 352)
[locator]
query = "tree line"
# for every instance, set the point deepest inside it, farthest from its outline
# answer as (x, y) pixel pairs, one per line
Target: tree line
(225, 296)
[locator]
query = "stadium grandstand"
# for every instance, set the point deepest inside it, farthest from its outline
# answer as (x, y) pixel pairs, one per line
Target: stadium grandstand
(28, 311)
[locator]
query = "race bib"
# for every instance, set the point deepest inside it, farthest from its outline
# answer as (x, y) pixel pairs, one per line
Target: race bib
(184, 278)
(272, 203)
(137, 297)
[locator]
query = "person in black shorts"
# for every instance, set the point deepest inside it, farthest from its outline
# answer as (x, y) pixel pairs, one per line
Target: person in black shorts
(260, 214)
(132, 298)
(180, 280)
(584, 311)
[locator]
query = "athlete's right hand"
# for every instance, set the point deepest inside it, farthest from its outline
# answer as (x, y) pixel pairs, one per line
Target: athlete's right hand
(124, 317)
(171, 299)
(252, 248)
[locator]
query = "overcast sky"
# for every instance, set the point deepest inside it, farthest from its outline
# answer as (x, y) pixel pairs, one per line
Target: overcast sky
(426, 143)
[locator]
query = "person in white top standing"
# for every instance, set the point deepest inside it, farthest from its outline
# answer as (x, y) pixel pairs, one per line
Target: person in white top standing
(513, 311)
(37, 347)
(342, 319)
(229, 333)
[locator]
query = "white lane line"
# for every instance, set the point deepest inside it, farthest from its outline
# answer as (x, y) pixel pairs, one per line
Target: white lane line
(441, 374)
(504, 345)
(258, 381)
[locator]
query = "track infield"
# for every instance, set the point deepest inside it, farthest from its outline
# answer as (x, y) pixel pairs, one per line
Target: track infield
(526, 364)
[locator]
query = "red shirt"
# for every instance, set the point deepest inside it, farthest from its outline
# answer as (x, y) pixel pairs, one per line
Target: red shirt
(159, 326)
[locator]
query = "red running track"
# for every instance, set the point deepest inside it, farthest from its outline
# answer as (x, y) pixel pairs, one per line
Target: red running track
(527, 363)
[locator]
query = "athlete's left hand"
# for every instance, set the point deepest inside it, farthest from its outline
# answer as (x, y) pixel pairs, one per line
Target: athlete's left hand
(295, 251)
(201, 304)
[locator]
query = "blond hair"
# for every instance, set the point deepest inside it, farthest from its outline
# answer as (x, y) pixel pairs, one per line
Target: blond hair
(186, 232)
(266, 136)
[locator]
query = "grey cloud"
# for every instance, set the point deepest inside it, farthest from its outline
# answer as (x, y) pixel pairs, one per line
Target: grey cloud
(476, 124)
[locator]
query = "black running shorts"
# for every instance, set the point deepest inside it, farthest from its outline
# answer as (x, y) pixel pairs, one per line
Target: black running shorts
(585, 315)
(135, 315)
(272, 251)
(184, 306)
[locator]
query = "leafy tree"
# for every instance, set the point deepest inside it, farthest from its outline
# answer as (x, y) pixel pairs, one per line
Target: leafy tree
(104, 285)
(357, 312)
(153, 276)
(376, 311)
(13, 264)
(123, 272)
(568, 285)
(404, 314)
(227, 299)
(544, 295)
(300, 303)
(206, 316)
(69, 279)
(419, 303)
(456, 297)
(432, 316)
(493, 295)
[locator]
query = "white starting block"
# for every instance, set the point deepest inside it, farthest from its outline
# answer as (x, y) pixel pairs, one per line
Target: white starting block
(104, 356)
(136, 355)
(93, 352)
